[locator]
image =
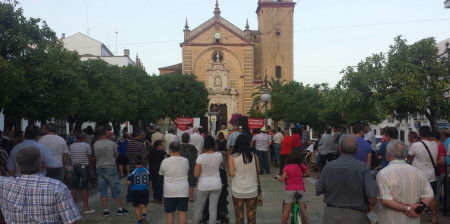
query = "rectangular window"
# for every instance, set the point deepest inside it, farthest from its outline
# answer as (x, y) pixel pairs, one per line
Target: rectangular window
(278, 71)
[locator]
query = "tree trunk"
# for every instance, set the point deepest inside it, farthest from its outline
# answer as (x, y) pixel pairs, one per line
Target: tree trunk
(433, 120)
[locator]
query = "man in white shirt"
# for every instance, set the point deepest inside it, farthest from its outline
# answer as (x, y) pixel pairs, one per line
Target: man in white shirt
(262, 141)
(157, 135)
(277, 138)
(58, 148)
(370, 137)
(418, 154)
(176, 187)
(169, 138)
(197, 140)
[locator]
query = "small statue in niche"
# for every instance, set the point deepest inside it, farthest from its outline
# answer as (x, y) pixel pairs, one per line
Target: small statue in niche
(217, 82)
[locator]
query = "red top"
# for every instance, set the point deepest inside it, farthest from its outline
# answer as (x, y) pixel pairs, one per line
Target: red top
(441, 153)
(286, 145)
(296, 140)
(294, 181)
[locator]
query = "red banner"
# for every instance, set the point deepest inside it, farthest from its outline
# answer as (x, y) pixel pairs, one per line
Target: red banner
(183, 121)
(255, 123)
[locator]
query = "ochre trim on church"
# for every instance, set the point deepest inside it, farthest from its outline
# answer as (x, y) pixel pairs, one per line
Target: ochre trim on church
(186, 42)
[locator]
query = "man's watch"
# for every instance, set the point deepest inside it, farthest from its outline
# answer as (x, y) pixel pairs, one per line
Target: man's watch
(409, 209)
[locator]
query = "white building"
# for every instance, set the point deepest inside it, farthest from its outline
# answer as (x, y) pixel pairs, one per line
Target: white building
(89, 48)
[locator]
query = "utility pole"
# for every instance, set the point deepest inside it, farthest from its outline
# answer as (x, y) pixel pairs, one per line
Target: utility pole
(116, 43)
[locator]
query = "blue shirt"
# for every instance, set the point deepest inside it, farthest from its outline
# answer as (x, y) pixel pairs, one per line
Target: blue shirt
(363, 149)
(232, 139)
(45, 154)
(139, 179)
(122, 147)
(446, 144)
(382, 152)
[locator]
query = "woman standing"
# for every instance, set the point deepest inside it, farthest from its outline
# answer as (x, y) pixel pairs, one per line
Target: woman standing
(189, 152)
(209, 184)
(123, 159)
(221, 143)
(155, 158)
(244, 183)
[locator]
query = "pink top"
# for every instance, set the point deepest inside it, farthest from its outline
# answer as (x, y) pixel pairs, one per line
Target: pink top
(294, 181)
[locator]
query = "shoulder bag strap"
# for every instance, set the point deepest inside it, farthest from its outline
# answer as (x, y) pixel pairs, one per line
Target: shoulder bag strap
(431, 157)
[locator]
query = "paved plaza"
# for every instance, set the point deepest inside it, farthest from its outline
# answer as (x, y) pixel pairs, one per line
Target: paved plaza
(269, 213)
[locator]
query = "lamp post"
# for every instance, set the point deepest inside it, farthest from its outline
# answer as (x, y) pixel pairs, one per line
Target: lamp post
(265, 97)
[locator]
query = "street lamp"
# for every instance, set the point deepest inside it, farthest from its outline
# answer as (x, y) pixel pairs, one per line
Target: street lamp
(265, 97)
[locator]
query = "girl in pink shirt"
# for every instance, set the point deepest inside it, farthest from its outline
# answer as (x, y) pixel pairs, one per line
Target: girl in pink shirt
(293, 174)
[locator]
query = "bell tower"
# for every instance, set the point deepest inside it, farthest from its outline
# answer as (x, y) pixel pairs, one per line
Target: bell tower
(276, 37)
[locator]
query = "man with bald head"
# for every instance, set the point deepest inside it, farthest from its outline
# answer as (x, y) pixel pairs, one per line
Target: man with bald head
(349, 189)
(196, 140)
(402, 187)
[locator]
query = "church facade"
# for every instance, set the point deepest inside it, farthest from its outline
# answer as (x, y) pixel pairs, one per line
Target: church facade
(232, 62)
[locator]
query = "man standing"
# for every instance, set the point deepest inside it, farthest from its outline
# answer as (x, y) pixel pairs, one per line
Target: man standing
(262, 141)
(305, 137)
(391, 134)
(106, 154)
(58, 148)
(370, 137)
(364, 152)
(148, 135)
(419, 153)
(232, 139)
(286, 148)
(196, 140)
(136, 146)
(327, 148)
(31, 136)
(277, 138)
(157, 135)
(8, 140)
(350, 191)
(81, 154)
(169, 138)
(402, 188)
(33, 198)
(224, 131)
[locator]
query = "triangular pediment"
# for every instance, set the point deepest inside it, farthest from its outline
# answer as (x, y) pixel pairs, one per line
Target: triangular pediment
(205, 32)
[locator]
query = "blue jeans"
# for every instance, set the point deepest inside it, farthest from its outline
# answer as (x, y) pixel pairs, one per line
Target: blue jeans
(108, 177)
(277, 149)
(263, 161)
(157, 185)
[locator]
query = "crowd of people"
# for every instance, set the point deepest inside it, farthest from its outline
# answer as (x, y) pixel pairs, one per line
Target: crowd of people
(43, 172)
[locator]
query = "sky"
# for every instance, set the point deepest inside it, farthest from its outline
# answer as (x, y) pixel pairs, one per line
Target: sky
(329, 35)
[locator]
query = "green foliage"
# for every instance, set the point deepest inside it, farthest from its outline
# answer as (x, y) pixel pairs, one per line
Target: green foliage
(253, 113)
(186, 96)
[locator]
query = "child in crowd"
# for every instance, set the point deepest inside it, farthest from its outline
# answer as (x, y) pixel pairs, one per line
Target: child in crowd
(138, 182)
(293, 174)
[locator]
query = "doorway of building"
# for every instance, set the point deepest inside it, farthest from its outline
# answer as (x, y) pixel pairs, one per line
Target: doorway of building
(222, 119)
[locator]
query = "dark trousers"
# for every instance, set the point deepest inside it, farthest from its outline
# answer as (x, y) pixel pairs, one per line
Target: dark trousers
(157, 186)
(326, 158)
(263, 161)
(283, 159)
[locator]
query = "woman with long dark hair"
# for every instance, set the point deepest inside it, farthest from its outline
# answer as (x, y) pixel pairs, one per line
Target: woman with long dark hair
(209, 183)
(244, 168)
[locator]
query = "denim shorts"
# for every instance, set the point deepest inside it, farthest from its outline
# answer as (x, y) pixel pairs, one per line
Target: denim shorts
(176, 204)
(80, 177)
(108, 177)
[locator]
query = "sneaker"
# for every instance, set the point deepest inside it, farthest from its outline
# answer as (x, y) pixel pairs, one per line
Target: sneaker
(139, 222)
(122, 212)
(89, 211)
(105, 213)
(144, 216)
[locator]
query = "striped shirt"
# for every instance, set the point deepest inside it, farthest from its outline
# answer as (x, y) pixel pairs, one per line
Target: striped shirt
(36, 199)
(79, 152)
(134, 147)
(347, 183)
(405, 184)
